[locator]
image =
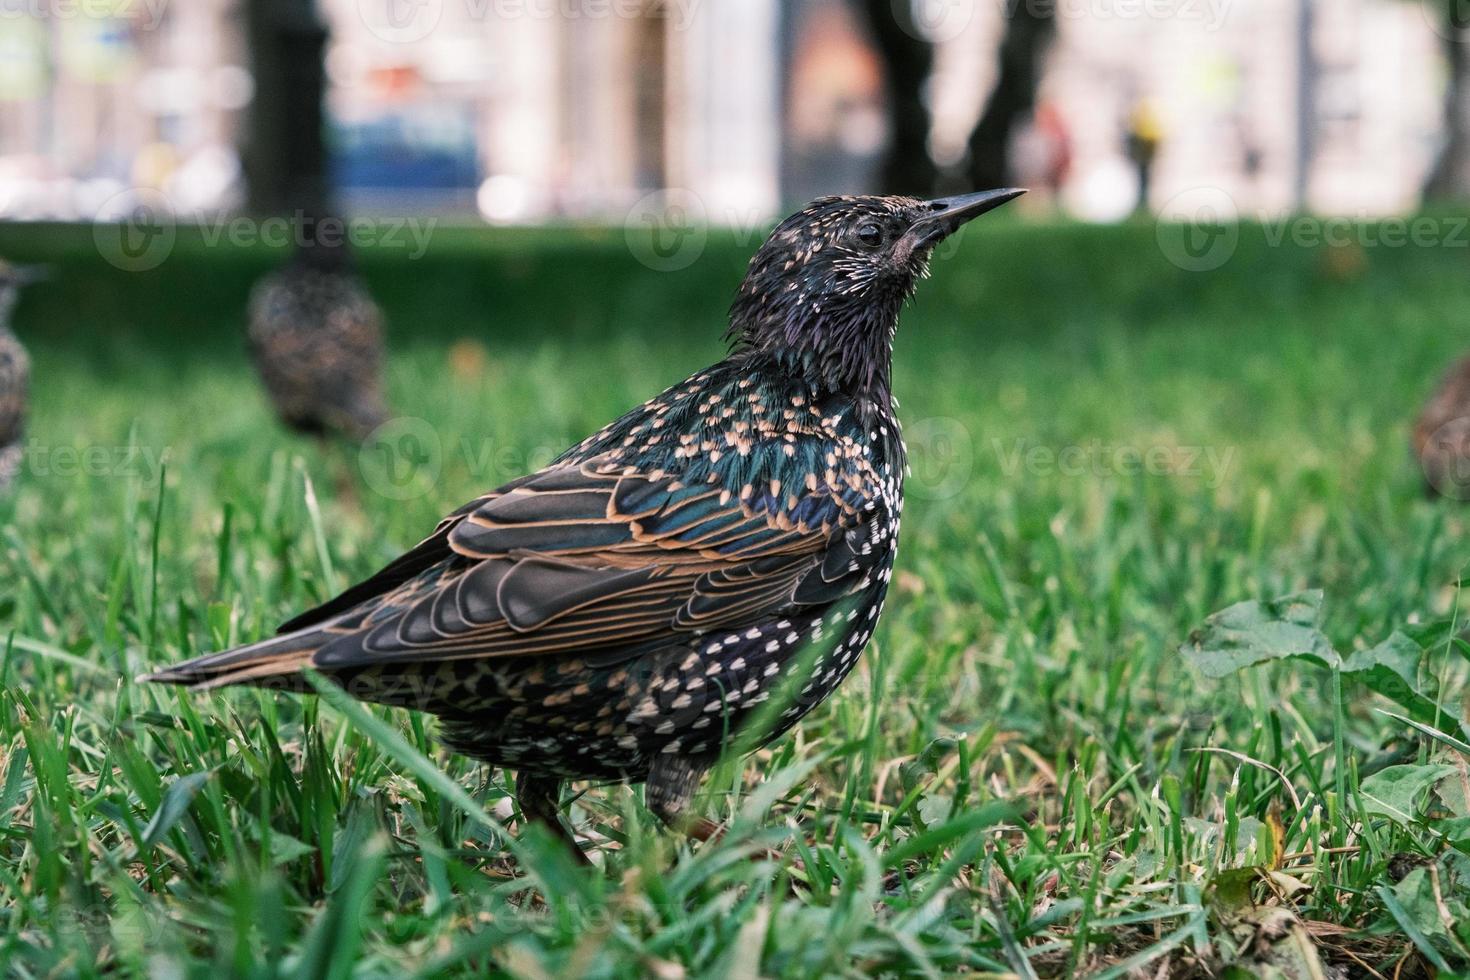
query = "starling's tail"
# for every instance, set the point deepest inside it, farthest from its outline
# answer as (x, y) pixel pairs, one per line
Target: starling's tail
(274, 662)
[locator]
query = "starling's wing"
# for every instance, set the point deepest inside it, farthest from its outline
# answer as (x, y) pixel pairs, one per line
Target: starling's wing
(584, 557)
(412, 563)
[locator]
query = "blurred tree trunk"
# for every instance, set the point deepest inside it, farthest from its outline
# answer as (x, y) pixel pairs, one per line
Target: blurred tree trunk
(1030, 27)
(907, 59)
(1450, 177)
(284, 149)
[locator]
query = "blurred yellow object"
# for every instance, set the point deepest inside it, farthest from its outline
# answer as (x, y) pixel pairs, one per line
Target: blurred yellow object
(154, 164)
(1344, 262)
(1146, 123)
(22, 60)
(469, 360)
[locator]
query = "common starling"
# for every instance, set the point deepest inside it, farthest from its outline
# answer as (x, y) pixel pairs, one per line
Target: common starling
(1442, 436)
(15, 373)
(317, 340)
(693, 577)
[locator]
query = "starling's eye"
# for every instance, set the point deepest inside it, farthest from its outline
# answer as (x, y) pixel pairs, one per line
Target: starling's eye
(870, 234)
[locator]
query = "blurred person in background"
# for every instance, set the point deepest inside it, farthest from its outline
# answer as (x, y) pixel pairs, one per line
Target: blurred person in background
(1145, 134)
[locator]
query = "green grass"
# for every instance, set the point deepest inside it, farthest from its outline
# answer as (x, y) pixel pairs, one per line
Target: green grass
(1012, 781)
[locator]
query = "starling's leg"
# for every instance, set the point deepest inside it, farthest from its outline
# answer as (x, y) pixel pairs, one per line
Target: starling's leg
(539, 798)
(671, 784)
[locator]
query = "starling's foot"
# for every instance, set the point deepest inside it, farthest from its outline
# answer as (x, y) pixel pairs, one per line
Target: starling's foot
(539, 798)
(670, 787)
(707, 831)
(703, 829)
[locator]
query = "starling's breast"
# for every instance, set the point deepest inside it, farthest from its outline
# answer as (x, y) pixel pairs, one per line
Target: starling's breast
(580, 719)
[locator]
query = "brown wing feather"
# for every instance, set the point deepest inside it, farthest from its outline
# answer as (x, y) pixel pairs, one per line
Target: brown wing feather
(556, 564)
(578, 558)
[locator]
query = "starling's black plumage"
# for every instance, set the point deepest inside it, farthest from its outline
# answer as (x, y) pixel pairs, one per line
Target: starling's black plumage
(1442, 435)
(707, 567)
(317, 340)
(15, 375)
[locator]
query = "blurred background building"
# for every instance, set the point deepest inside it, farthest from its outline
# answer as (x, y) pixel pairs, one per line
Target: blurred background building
(534, 110)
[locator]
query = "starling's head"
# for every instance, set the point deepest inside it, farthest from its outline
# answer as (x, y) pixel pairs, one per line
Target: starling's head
(826, 288)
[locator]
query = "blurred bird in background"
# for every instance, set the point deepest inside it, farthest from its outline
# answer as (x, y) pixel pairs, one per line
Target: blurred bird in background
(315, 333)
(692, 578)
(1442, 436)
(316, 337)
(15, 372)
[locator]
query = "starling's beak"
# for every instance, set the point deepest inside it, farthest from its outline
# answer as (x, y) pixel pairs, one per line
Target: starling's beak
(945, 215)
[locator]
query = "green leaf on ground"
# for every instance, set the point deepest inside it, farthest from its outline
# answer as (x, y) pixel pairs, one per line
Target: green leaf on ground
(1392, 792)
(1252, 632)
(1392, 669)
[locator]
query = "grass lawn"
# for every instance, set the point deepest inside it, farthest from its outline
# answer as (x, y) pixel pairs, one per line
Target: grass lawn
(1023, 776)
